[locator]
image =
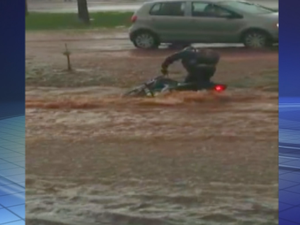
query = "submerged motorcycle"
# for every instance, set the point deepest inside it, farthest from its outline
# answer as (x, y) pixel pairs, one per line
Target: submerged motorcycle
(163, 84)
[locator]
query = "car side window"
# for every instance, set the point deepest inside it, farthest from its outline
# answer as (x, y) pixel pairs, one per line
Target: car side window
(202, 9)
(168, 9)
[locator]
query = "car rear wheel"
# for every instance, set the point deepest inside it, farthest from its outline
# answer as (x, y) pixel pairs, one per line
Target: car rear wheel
(256, 39)
(145, 40)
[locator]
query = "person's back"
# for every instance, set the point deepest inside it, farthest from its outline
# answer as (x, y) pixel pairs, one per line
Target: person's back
(199, 63)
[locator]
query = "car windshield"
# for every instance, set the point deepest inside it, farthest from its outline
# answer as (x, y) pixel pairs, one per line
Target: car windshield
(247, 7)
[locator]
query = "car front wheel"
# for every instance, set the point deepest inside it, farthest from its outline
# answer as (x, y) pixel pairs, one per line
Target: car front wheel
(145, 40)
(256, 39)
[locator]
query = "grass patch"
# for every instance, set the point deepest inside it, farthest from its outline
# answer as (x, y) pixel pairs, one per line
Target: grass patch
(62, 21)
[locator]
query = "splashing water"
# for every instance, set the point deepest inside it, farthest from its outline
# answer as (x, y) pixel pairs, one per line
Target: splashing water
(168, 99)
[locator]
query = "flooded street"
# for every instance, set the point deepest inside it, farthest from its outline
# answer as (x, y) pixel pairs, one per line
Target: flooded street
(181, 158)
(144, 161)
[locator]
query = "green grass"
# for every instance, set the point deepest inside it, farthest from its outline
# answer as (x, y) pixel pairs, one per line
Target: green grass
(63, 21)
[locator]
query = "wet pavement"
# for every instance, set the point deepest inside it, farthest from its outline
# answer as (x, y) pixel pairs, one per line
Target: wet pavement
(102, 41)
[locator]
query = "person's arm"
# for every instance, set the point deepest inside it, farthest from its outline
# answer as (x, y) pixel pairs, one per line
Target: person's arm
(172, 58)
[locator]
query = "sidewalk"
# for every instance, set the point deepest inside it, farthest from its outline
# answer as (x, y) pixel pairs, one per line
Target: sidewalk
(68, 6)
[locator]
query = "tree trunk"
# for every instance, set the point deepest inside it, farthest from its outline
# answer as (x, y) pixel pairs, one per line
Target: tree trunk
(26, 8)
(83, 12)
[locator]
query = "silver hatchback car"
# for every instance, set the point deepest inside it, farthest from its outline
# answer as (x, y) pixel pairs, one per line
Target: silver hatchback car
(203, 21)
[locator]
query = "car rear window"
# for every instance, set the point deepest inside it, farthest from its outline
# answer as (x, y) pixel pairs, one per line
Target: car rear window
(168, 9)
(203, 9)
(247, 7)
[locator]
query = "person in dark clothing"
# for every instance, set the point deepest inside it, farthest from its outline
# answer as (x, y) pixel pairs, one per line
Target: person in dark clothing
(200, 64)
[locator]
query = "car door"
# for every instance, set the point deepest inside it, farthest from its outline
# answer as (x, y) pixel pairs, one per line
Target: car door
(169, 20)
(214, 24)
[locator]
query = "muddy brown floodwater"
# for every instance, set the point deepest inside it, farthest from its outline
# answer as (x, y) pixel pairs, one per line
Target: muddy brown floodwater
(182, 158)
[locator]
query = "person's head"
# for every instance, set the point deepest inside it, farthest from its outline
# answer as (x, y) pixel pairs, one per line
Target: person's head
(206, 52)
(189, 48)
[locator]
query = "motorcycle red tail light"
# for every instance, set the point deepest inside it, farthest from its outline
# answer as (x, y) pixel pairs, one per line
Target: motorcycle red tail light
(220, 88)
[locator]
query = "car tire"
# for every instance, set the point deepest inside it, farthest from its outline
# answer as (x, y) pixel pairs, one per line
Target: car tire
(256, 39)
(145, 40)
